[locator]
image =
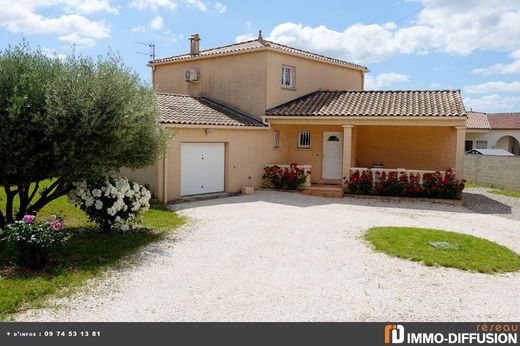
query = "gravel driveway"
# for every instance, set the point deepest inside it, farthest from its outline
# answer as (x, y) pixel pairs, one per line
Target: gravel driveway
(279, 256)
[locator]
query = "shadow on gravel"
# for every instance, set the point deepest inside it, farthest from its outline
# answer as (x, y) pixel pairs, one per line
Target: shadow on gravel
(299, 200)
(482, 204)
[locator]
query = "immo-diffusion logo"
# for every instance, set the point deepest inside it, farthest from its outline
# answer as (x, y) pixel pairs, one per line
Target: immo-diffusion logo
(506, 334)
(394, 334)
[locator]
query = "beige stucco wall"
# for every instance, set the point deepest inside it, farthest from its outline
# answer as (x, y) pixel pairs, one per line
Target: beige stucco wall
(247, 152)
(497, 171)
(146, 176)
(237, 80)
(310, 76)
(251, 82)
(313, 156)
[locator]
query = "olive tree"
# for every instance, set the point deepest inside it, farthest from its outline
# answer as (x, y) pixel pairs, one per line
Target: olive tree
(67, 120)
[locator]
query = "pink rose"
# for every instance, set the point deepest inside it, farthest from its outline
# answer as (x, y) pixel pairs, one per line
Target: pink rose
(56, 225)
(28, 218)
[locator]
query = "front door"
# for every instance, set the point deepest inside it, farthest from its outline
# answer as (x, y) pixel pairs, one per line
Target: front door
(332, 166)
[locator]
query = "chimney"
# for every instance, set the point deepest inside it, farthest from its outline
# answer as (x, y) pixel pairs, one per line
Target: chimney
(194, 44)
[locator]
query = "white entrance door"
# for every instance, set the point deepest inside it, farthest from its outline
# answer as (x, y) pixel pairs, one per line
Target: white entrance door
(332, 167)
(202, 168)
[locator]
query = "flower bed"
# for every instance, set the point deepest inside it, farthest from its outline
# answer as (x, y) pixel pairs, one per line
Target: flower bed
(285, 178)
(32, 241)
(382, 183)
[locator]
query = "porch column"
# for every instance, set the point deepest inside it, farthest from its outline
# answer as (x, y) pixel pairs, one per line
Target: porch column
(347, 150)
(459, 153)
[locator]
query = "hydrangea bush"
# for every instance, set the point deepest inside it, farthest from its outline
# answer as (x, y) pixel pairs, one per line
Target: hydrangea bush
(112, 202)
(33, 240)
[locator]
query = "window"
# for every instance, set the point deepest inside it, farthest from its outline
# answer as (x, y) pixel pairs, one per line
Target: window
(287, 77)
(481, 144)
(468, 146)
(276, 139)
(333, 139)
(304, 140)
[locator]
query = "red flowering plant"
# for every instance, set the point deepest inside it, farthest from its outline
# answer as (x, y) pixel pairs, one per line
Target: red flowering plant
(388, 184)
(433, 185)
(438, 185)
(285, 178)
(360, 183)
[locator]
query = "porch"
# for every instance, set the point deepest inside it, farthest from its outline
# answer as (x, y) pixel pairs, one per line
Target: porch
(334, 151)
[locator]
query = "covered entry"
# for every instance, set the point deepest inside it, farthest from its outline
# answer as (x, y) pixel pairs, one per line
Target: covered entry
(202, 168)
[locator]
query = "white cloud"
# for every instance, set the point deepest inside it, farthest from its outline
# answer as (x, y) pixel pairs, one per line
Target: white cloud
(384, 80)
(493, 87)
(435, 85)
(138, 29)
(458, 27)
(154, 4)
(512, 68)
(494, 102)
(21, 17)
(157, 23)
(199, 4)
(51, 53)
(90, 6)
(220, 8)
(78, 40)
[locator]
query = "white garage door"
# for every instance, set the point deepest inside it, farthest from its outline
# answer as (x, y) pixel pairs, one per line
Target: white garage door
(202, 168)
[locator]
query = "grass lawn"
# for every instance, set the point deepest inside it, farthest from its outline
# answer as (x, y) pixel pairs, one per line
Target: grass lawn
(87, 254)
(508, 193)
(467, 252)
(496, 191)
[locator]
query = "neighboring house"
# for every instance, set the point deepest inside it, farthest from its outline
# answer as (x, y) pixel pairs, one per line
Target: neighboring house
(493, 131)
(234, 109)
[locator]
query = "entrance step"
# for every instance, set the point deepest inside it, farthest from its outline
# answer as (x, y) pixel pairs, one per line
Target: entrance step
(332, 191)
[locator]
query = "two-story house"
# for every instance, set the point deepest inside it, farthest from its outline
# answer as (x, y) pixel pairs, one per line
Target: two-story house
(234, 109)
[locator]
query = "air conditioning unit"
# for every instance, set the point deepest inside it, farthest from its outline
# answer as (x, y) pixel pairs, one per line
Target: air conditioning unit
(191, 75)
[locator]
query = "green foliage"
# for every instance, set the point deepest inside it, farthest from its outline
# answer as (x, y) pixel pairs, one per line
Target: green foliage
(86, 255)
(33, 240)
(70, 120)
(465, 252)
(285, 178)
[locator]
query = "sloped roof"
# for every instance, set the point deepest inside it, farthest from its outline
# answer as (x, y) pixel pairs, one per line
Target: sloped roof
(253, 45)
(477, 121)
(504, 121)
(411, 103)
(187, 110)
(493, 121)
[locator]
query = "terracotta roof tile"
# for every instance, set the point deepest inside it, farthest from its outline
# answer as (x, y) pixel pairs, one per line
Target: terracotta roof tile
(187, 110)
(477, 121)
(257, 44)
(413, 103)
(504, 121)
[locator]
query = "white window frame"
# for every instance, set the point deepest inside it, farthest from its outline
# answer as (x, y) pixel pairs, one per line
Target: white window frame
(304, 140)
(480, 143)
(276, 139)
(288, 76)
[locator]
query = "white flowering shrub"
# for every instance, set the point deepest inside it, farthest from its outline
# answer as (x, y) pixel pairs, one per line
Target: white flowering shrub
(112, 202)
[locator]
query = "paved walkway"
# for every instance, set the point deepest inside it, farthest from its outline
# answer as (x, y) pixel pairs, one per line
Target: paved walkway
(279, 256)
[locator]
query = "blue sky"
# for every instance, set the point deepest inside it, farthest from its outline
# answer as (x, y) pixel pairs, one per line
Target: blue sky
(470, 45)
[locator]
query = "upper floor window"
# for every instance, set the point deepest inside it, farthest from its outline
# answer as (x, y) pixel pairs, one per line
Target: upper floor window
(304, 140)
(288, 76)
(468, 146)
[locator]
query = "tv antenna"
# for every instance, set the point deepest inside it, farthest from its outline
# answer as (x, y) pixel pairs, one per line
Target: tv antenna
(151, 50)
